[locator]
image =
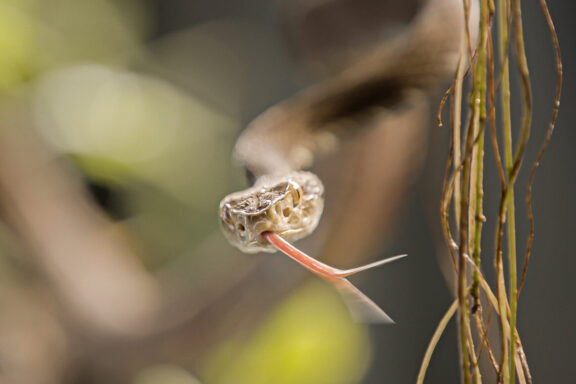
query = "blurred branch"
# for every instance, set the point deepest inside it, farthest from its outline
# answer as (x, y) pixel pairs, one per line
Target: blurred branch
(87, 260)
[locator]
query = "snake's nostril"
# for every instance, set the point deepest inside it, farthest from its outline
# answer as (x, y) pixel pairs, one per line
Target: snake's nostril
(241, 227)
(286, 212)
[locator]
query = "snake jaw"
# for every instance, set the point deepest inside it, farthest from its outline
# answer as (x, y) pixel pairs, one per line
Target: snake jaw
(289, 206)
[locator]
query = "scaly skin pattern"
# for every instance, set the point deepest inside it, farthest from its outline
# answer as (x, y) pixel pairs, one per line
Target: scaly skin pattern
(290, 206)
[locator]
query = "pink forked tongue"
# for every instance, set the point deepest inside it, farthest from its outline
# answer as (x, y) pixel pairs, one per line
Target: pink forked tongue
(360, 305)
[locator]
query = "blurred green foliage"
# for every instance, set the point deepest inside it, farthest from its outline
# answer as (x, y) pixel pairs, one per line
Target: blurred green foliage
(17, 45)
(37, 35)
(167, 151)
(309, 339)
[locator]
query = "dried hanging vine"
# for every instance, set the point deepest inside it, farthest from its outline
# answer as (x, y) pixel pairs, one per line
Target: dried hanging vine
(463, 189)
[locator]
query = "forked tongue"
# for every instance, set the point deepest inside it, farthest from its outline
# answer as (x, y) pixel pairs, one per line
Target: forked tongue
(361, 306)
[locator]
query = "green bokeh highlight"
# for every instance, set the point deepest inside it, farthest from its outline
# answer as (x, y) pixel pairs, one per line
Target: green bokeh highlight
(309, 339)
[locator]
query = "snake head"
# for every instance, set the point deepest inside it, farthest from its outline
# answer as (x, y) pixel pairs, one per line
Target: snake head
(289, 206)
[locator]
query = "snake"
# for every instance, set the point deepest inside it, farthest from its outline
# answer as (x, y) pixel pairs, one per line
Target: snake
(286, 201)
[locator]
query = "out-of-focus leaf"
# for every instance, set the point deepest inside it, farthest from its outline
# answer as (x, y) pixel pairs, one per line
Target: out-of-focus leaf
(310, 338)
(167, 151)
(89, 30)
(124, 121)
(39, 35)
(17, 46)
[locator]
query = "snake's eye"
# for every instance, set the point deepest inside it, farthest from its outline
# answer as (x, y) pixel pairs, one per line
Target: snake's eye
(296, 191)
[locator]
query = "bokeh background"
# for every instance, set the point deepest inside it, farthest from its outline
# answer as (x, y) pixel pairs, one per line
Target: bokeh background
(117, 123)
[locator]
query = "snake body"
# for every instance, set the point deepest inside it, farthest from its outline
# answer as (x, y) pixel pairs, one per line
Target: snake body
(282, 141)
